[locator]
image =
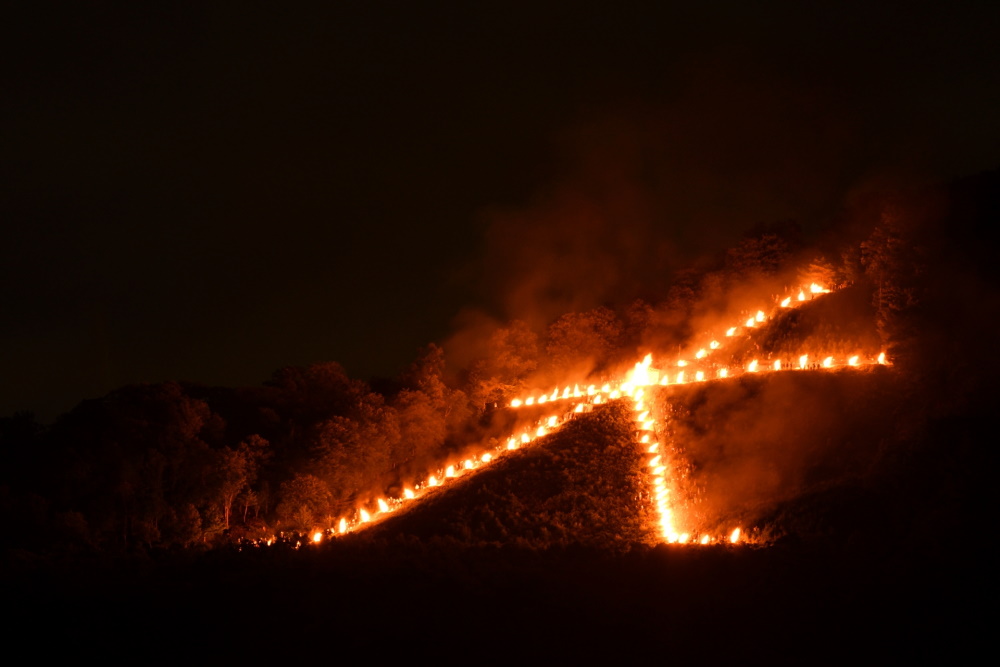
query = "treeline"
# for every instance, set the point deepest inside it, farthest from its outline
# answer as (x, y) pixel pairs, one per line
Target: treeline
(179, 464)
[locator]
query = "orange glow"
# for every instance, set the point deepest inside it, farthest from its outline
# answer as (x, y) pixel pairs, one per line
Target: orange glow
(881, 357)
(317, 537)
(672, 525)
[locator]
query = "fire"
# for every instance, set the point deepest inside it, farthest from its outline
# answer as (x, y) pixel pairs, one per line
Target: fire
(631, 384)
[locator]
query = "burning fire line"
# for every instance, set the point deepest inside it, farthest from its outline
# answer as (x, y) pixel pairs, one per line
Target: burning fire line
(632, 386)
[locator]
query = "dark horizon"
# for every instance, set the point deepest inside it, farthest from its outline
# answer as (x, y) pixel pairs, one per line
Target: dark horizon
(206, 194)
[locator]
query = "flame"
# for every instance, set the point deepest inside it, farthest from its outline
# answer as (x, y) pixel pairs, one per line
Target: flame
(630, 385)
(317, 537)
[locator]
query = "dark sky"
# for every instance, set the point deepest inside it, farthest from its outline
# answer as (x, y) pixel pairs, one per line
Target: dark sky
(213, 191)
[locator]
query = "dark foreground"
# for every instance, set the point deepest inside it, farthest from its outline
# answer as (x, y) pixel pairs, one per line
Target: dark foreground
(371, 601)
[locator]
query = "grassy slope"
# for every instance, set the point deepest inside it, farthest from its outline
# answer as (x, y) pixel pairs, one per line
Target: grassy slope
(581, 485)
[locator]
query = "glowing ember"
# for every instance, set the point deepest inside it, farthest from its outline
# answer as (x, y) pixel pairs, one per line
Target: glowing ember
(723, 372)
(700, 354)
(714, 345)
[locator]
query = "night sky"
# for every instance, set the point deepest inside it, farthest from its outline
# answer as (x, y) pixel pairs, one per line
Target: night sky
(216, 190)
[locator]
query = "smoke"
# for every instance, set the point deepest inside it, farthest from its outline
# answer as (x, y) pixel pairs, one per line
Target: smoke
(762, 440)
